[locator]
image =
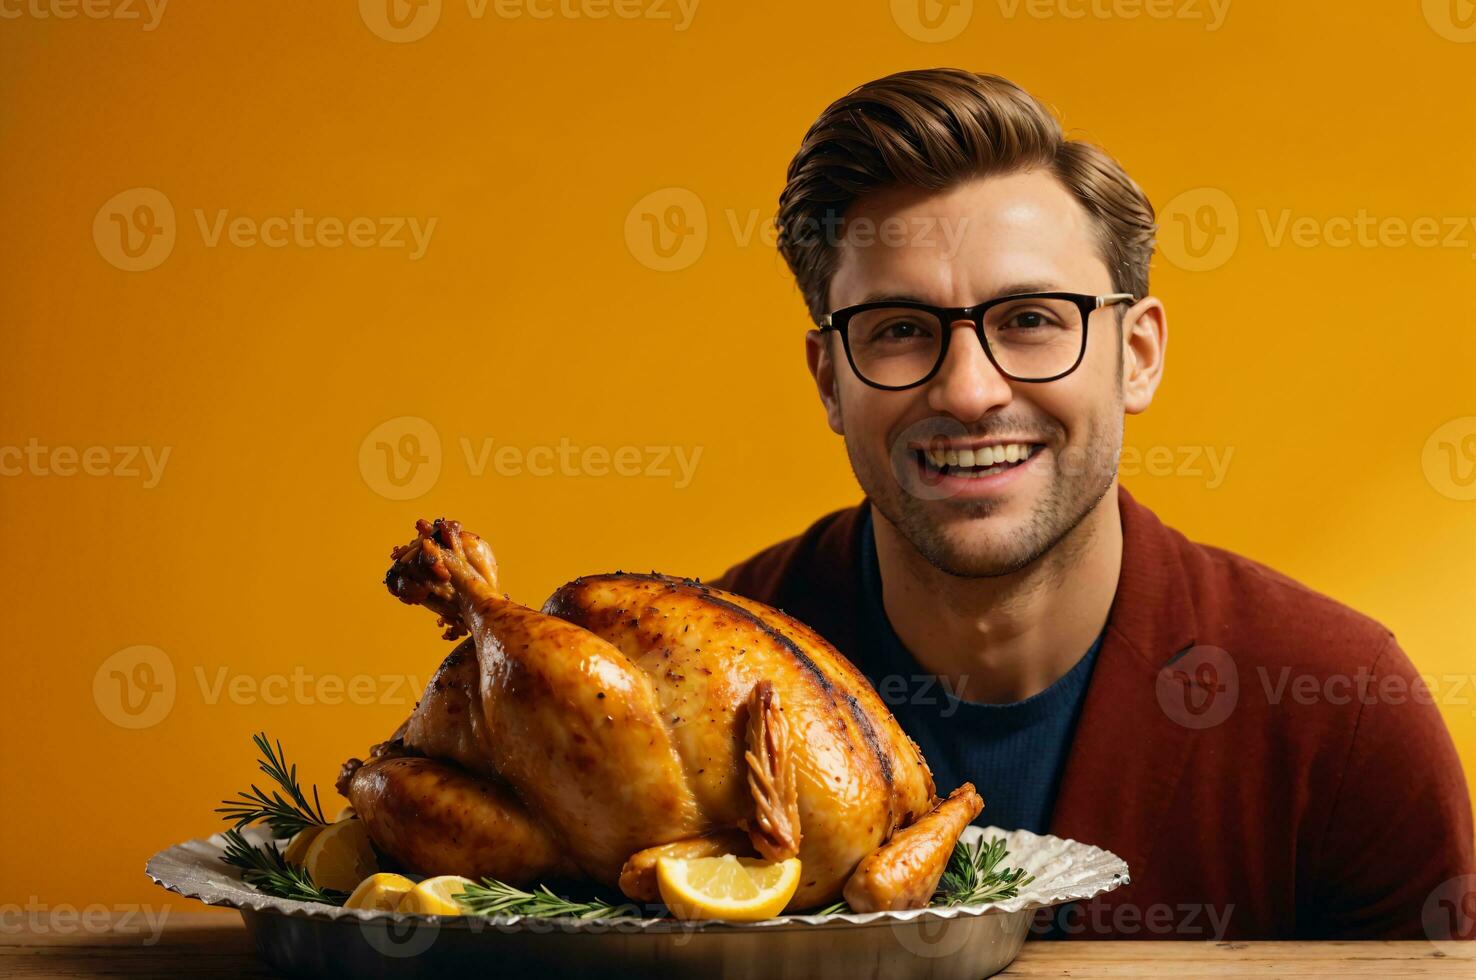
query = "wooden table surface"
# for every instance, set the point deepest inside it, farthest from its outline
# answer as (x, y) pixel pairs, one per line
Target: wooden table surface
(214, 944)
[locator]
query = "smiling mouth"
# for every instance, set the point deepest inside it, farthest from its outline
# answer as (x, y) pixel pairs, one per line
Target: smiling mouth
(975, 463)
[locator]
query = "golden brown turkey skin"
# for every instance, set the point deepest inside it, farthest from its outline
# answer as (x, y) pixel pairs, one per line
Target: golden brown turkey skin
(448, 723)
(566, 719)
(436, 818)
(859, 776)
(637, 712)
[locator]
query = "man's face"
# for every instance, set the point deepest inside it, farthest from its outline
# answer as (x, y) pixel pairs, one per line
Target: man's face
(989, 237)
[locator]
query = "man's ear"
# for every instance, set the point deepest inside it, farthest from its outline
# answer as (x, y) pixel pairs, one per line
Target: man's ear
(1144, 343)
(822, 369)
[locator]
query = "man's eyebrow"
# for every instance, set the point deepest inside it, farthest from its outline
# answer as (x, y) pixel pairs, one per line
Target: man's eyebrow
(887, 297)
(1008, 289)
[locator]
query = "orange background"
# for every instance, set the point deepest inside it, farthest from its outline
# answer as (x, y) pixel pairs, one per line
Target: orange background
(533, 317)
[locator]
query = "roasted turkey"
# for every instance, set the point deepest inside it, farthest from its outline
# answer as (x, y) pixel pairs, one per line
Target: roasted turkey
(637, 716)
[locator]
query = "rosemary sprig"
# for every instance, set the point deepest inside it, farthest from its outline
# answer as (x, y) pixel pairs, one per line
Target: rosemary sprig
(262, 867)
(494, 897)
(286, 816)
(974, 876)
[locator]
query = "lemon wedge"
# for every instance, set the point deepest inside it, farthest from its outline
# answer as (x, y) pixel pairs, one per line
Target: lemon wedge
(295, 853)
(379, 892)
(340, 856)
(435, 896)
(727, 887)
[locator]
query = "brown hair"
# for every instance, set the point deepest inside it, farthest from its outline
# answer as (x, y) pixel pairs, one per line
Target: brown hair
(933, 128)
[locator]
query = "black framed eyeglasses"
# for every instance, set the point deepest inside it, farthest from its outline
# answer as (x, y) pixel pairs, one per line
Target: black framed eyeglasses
(1030, 337)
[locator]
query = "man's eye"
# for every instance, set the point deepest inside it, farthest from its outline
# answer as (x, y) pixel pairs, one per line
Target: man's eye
(1027, 319)
(900, 330)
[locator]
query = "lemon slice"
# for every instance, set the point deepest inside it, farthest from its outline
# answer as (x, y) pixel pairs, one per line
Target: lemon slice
(435, 896)
(340, 856)
(379, 892)
(295, 853)
(727, 887)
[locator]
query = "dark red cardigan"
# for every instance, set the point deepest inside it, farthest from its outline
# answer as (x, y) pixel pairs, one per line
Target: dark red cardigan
(1262, 757)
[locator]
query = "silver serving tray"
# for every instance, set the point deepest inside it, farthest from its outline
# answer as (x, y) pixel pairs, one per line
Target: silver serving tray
(307, 939)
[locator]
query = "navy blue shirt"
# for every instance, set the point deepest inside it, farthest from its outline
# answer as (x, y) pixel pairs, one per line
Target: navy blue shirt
(1014, 754)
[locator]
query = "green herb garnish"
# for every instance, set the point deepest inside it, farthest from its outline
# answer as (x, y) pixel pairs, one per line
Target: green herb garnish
(285, 815)
(263, 867)
(974, 876)
(494, 897)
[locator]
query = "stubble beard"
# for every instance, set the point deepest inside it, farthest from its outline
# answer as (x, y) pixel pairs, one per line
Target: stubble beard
(1080, 478)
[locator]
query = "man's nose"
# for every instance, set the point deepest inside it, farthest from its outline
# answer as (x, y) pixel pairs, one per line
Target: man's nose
(967, 384)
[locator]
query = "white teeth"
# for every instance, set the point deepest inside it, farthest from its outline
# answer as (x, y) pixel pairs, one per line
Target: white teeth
(978, 460)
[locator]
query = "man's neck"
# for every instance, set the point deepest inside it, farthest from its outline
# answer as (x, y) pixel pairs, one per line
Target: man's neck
(1003, 639)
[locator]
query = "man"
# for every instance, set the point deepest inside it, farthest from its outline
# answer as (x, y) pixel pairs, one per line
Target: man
(979, 287)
